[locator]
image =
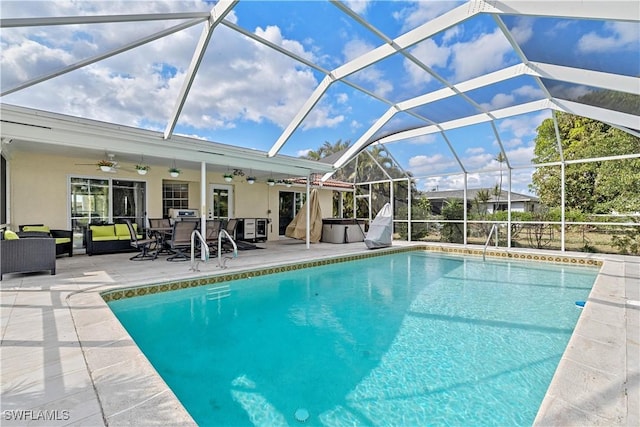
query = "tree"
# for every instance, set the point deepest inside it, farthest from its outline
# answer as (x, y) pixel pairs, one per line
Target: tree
(594, 187)
(500, 158)
(327, 149)
(452, 232)
(364, 168)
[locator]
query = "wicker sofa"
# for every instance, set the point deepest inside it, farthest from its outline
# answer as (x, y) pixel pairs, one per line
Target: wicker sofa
(109, 238)
(27, 255)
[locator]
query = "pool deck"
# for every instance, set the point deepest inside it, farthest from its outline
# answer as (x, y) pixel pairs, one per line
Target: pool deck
(66, 360)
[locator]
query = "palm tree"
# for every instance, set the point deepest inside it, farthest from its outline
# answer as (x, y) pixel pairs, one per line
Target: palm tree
(327, 149)
(500, 158)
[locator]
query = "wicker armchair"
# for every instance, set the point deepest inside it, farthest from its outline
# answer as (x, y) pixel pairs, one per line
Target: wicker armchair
(27, 255)
(64, 238)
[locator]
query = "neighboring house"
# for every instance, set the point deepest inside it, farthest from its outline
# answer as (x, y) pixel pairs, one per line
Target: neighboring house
(519, 202)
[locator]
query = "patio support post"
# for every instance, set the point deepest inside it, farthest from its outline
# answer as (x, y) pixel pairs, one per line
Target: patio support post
(393, 203)
(562, 183)
(203, 203)
(562, 204)
(308, 219)
(509, 211)
(409, 209)
(464, 226)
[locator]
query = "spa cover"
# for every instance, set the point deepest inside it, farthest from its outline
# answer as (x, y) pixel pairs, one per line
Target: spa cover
(380, 230)
(297, 228)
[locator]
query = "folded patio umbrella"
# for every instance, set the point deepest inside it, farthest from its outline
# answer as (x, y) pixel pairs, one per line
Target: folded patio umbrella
(297, 228)
(381, 229)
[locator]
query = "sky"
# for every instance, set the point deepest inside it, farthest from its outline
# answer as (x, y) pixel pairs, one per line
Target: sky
(246, 94)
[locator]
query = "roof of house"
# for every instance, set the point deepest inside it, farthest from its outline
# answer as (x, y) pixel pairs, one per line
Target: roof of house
(473, 192)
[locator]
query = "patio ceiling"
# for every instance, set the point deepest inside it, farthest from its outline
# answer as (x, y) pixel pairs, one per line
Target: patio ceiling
(445, 85)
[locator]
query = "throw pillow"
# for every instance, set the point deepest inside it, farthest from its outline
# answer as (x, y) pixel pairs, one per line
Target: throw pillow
(10, 235)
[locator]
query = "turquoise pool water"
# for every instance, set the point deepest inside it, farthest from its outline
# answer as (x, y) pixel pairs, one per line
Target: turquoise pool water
(406, 339)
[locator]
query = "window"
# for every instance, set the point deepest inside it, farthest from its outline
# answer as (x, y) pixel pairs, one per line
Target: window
(175, 195)
(221, 202)
(3, 190)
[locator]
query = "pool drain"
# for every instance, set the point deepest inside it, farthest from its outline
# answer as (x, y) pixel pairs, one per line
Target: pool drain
(302, 415)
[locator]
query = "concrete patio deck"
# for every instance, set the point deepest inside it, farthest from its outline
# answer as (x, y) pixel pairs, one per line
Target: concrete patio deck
(66, 360)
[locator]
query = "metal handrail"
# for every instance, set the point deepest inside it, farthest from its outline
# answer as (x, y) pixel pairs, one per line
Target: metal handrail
(203, 246)
(235, 248)
(494, 227)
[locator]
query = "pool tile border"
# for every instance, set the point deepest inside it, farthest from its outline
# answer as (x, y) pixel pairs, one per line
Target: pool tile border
(130, 292)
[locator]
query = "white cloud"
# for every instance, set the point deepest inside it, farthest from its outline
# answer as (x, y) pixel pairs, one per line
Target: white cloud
(134, 87)
(521, 155)
(430, 54)
(474, 150)
(619, 36)
(420, 12)
(522, 31)
(529, 92)
(422, 140)
(524, 125)
(422, 165)
(499, 100)
(358, 6)
(483, 54)
(354, 48)
(302, 153)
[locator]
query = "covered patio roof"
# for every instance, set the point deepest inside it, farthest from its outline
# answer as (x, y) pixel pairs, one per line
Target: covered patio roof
(446, 85)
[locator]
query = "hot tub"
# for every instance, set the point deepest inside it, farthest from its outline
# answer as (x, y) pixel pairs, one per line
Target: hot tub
(342, 230)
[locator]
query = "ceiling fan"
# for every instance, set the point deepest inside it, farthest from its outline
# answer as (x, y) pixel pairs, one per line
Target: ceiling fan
(109, 165)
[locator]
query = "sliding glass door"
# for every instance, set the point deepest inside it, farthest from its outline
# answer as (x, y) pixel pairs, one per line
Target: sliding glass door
(96, 201)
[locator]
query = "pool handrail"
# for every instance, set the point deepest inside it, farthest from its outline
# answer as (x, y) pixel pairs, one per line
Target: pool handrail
(203, 246)
(235, 248)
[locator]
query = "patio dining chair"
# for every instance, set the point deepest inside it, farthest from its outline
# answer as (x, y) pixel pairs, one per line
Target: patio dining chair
(180, 240)
(212, 232)
(230, 228)
(143, 245)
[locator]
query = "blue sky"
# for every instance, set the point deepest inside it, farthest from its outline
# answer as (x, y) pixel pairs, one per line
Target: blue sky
(245, 94)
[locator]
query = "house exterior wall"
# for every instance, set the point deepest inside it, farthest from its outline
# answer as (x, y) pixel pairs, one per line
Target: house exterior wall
(38, 190)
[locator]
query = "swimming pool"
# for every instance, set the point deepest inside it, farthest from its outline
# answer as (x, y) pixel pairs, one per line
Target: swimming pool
(404, 339)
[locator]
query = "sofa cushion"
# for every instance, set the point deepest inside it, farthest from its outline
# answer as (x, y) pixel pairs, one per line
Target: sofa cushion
(99, 232)
(122, 231)
(40, 228)
(61, 240)
(10, 235)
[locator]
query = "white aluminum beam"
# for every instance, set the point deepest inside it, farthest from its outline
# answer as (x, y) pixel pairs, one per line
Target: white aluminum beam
(515, 110)
(363, 141)
(302, 113)
(598, 79)
(625, 10)
(410, 38)
(601, 114)
(100, 19)
(219, 11)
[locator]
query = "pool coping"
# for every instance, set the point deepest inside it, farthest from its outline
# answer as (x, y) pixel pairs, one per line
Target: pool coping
(173, 285)
(122, 401)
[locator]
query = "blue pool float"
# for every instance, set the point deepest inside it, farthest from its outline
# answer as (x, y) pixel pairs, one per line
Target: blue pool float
(580, 303)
